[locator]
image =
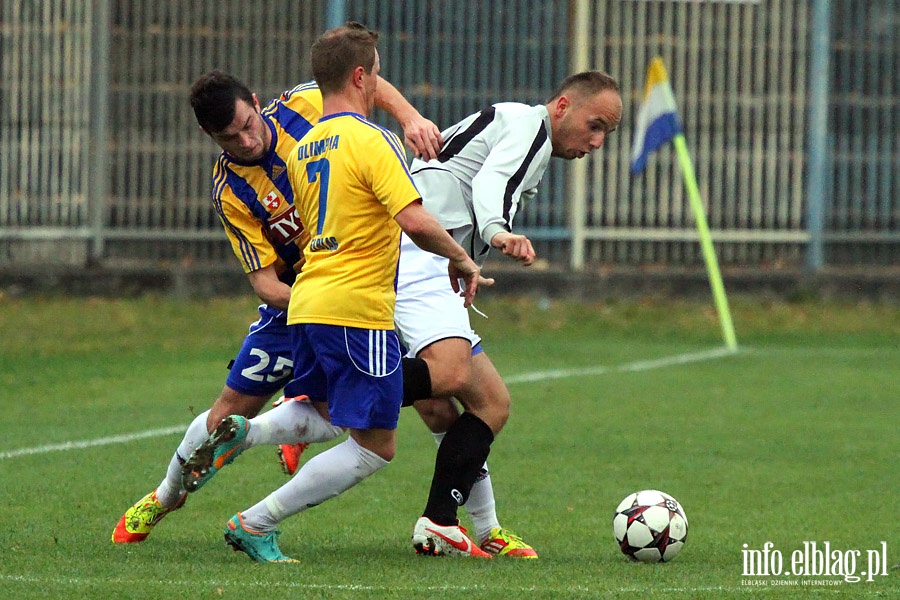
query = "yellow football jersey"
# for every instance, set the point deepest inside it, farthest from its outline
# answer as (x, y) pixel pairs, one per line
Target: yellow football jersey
(255, 201)
(350, 179)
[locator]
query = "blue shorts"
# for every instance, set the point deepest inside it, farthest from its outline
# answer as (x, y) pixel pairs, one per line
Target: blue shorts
(356, 370)
(263, 365)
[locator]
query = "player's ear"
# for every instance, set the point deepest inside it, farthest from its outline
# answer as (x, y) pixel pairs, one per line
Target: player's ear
(358, 74)
(561, 106)
(256, 103)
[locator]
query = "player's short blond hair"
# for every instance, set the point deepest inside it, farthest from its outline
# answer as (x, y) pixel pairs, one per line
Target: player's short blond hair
(339, 51)
(586, 83)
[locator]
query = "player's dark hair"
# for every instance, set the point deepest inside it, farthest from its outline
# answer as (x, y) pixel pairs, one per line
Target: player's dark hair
(213, 98)
(586, 83)
(339, 51)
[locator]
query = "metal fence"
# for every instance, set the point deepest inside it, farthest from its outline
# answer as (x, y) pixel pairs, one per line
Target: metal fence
(863, 220)
(100, 158)
(738, 71)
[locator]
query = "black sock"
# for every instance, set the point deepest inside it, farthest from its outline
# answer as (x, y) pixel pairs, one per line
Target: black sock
(461, 456)
(416, 380)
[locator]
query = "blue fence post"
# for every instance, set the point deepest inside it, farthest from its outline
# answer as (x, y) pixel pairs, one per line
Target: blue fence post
(819, 170)
(335, 13)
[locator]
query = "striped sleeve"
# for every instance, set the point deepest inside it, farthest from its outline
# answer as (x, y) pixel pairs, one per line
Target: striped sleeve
(244, 231)
(497, 187)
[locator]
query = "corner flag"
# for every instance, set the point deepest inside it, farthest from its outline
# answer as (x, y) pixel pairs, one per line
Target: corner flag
(657, 124)
(657, 118)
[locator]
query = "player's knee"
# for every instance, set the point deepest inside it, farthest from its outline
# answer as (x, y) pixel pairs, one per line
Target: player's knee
(457, 378)
(450, 364)
(491, 404)
(438, 414)
(373, 452)
(450, 376)
(385, 454)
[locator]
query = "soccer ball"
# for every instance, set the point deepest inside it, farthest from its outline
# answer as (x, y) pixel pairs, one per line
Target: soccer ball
(650, 526)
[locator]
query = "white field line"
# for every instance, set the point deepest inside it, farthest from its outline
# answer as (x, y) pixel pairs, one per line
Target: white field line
(104, 441)
(534, 376)
(633, 367)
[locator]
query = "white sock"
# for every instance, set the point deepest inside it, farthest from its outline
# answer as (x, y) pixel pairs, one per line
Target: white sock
(289, 423)
(325, 476)
(480, 505)
(170, 491)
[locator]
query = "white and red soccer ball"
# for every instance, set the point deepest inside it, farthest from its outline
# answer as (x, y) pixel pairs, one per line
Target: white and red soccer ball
(650, 526)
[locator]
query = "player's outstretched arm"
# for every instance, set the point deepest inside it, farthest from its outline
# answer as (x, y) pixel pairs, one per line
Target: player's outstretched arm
(421, 135)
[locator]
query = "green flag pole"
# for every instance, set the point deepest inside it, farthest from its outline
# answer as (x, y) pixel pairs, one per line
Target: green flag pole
(709, 253)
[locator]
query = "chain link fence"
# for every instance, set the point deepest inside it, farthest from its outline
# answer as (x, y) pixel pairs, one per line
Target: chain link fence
(101, 159)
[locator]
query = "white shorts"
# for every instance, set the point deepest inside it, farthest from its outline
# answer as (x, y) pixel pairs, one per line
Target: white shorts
(450, 202)
(427, 308)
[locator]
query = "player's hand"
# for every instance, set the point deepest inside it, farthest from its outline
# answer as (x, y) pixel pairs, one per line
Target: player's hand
(465, 277)
(423, 137)
(515, 246)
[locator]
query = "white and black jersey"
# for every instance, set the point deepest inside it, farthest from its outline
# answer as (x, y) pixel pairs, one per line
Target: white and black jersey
(488, 160)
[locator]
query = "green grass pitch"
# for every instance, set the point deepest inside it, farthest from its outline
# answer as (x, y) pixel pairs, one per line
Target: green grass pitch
(792, 440)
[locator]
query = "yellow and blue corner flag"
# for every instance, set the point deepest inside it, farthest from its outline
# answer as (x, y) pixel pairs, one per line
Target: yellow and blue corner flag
(657, 124)
(657, 118)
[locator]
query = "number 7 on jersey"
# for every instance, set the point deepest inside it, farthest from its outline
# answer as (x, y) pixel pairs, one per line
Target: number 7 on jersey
(320, 168)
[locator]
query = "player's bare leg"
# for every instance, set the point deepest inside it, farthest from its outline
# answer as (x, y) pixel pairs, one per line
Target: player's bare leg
(232, 402)
(472, 379)
(449, 364)
(485, 394)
